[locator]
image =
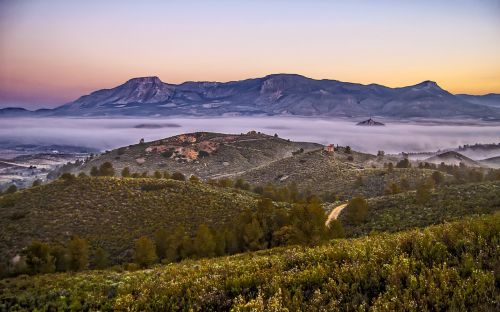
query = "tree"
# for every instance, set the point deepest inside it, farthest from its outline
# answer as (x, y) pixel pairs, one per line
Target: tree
(204, 242)
(101, 259)
(253, 235)
(335, 229)
(39, 258)
(157, 175)
(11, 189)
(309, 220)
(390, 167)
(438, 177)
(241, 184)
(392, 188)
(106, 170)
(357, 210)
(161, 238)
(423, 194)
(194, 179)
(78, 249)
(126, 172)
(348, 149)
(36, 183)
(404, 163)
(174, 244)
(94, 171)
(62, 258)
(380, 153)
(178, 176)
(67, 177)
(145, 253)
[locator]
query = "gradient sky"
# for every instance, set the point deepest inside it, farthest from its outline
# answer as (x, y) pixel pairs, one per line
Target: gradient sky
(52, 52)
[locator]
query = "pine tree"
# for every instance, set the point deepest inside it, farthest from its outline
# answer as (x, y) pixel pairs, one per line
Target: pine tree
(335, 229)
(126, 172)
(101, 258)
(145, 253)
(78, 249)
(357, 210)
(253, 235)
(94, 171)
(204, 243)
(106, 170)
(39, 258)
(162, 243)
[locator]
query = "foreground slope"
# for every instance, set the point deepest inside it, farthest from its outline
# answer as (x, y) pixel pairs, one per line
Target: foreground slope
(446, 267)
(112, 212)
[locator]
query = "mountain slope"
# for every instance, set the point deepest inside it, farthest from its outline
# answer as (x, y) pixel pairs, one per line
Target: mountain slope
(491, 99)
(279, 94)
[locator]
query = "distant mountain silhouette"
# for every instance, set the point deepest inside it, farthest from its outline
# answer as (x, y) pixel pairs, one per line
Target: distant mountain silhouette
(279, 94)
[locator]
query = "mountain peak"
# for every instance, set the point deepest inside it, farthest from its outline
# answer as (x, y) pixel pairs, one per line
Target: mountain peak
(428, 84)
(144, 80)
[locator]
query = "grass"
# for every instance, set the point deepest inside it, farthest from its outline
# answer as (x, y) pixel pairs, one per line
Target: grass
(453, 266)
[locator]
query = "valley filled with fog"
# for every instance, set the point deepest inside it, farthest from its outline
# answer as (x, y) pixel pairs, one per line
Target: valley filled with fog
(112, 133)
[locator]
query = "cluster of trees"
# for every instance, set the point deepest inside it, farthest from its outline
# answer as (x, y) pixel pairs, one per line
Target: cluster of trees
(464, 174)
(265, 227)
(268, 226)
(40, 257)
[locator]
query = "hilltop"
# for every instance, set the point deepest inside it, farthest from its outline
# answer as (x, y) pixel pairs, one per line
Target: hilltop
(452, 158)
(112, 212)
(277, 94)
(204, 154)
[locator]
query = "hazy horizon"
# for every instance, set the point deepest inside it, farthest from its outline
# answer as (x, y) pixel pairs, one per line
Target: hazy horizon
(104, 134)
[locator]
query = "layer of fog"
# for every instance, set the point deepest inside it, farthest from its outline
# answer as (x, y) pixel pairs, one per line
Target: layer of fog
(112, 133)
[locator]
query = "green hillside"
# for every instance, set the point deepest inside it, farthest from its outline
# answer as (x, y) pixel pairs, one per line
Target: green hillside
(321, 172)
(450, 267)
(448, 203)
(112, 212)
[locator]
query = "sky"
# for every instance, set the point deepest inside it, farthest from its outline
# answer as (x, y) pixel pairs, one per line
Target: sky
(52, 52)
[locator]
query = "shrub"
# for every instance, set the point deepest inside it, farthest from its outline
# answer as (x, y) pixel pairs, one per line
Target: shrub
(178, 176)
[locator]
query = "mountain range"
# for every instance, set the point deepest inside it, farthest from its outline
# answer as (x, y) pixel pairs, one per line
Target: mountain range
(278, 94)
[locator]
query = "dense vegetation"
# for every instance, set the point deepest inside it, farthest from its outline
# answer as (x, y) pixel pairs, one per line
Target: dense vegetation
(406, 210)
(446, 267)
(113, 212)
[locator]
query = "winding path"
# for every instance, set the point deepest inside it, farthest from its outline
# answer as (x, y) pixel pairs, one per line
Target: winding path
(335, 213)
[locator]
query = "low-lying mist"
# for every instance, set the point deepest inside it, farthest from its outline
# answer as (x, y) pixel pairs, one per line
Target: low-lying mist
(112, 133)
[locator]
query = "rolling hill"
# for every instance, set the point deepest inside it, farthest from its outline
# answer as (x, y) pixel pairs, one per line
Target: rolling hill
(204, 154)
(320, 172)
(452, 158)
(277, 94)
(112, 212)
